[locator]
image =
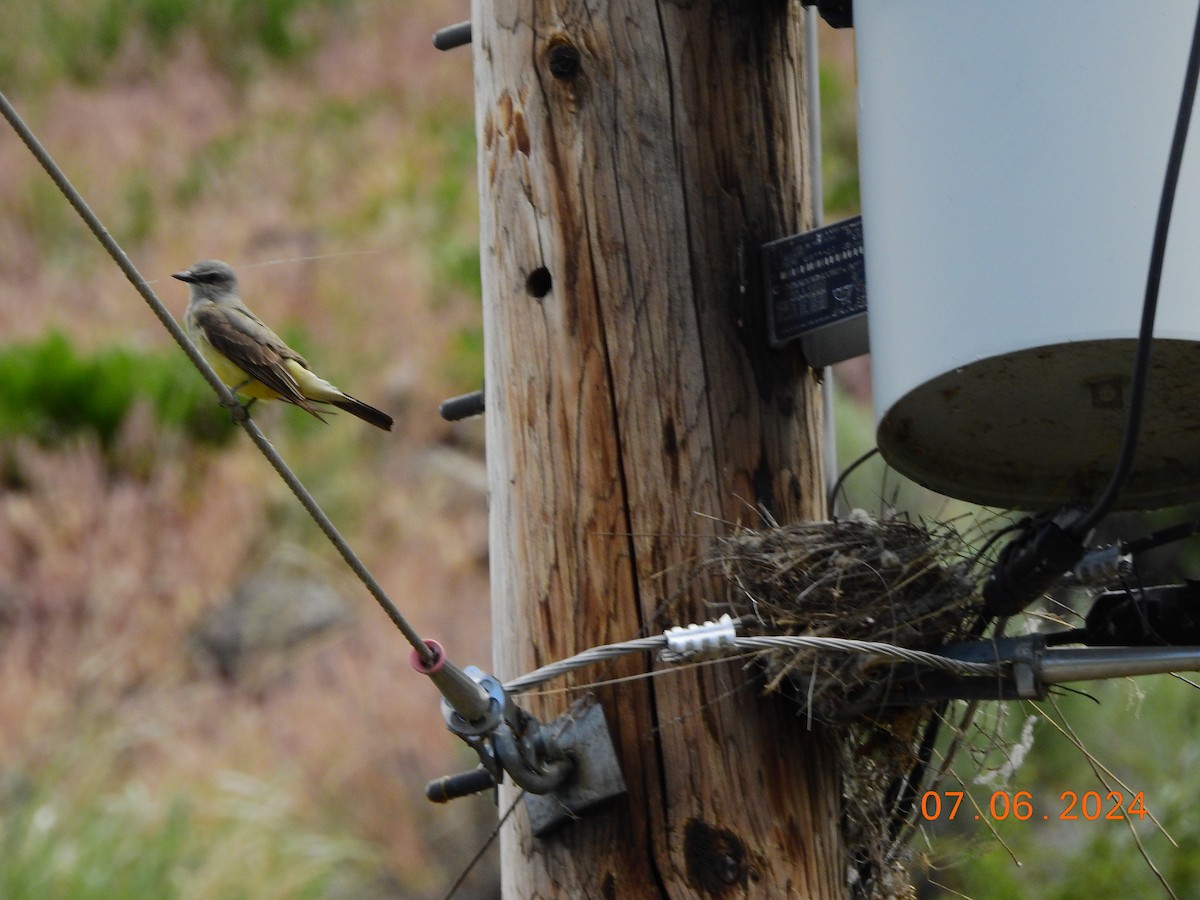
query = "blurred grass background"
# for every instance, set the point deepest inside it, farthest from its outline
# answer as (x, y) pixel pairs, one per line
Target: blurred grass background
(324, 149)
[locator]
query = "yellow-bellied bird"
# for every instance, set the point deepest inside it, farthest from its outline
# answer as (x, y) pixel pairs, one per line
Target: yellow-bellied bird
(248, 356)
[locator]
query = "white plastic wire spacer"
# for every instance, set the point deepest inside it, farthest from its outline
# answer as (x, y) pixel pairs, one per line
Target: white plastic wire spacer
(687, 641)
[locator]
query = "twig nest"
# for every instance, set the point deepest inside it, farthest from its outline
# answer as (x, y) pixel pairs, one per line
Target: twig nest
(890, 580)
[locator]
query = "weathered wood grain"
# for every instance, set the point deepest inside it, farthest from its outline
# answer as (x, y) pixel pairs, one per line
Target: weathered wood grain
(634, 156)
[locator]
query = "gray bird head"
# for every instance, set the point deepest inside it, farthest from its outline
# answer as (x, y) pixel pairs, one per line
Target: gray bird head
(210, 278)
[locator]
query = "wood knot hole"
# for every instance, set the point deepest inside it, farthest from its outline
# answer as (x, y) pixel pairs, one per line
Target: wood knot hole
(538, 283)
(715, 858)
(564, 59)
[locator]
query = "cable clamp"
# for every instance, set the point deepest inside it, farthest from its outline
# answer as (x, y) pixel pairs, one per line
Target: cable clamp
(690, 641)
(566, 767)
(508, 740)
(1104, 566)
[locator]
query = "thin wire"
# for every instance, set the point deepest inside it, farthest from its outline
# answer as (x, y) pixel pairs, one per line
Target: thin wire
(487, 842)
(758, 642)
(226, 396)
(1141, 366)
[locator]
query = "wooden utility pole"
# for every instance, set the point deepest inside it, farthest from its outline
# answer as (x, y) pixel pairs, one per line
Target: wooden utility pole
(634, 156)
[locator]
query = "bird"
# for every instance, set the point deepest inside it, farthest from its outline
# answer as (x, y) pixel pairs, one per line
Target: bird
(249, 357)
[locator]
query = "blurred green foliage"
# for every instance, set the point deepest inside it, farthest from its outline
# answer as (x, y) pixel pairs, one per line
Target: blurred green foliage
(41, 212)
(464, 362)
(220, 154)
(1139, 732)
(455, 200)
(242, 840)
(79, 39)
(141, 215)
(51, 391)
(839, 143)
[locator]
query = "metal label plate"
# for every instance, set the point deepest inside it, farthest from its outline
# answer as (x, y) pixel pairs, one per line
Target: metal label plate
(814, 280)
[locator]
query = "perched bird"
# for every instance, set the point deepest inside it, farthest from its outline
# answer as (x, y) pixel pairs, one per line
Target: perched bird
(248, 356)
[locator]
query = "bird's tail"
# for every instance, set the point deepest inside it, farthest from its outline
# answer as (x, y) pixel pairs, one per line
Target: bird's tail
(364, 411)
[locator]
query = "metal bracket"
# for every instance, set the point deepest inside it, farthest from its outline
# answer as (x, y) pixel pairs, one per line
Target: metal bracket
(596, 778)
(566, 767)
(1027, 670)
(530, 753)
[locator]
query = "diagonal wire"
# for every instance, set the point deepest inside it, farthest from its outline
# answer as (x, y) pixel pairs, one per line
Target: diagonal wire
(226, 396)
(488, 841)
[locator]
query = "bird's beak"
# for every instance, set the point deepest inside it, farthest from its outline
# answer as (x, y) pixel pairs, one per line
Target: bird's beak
(185, 276)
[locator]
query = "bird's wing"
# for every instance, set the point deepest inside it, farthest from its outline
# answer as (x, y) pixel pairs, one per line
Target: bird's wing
(253, 348)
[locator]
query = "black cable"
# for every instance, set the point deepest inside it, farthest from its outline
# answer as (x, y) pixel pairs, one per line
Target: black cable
(1141, 367)
(831, 499)
(995, 536)
(1160, 537)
